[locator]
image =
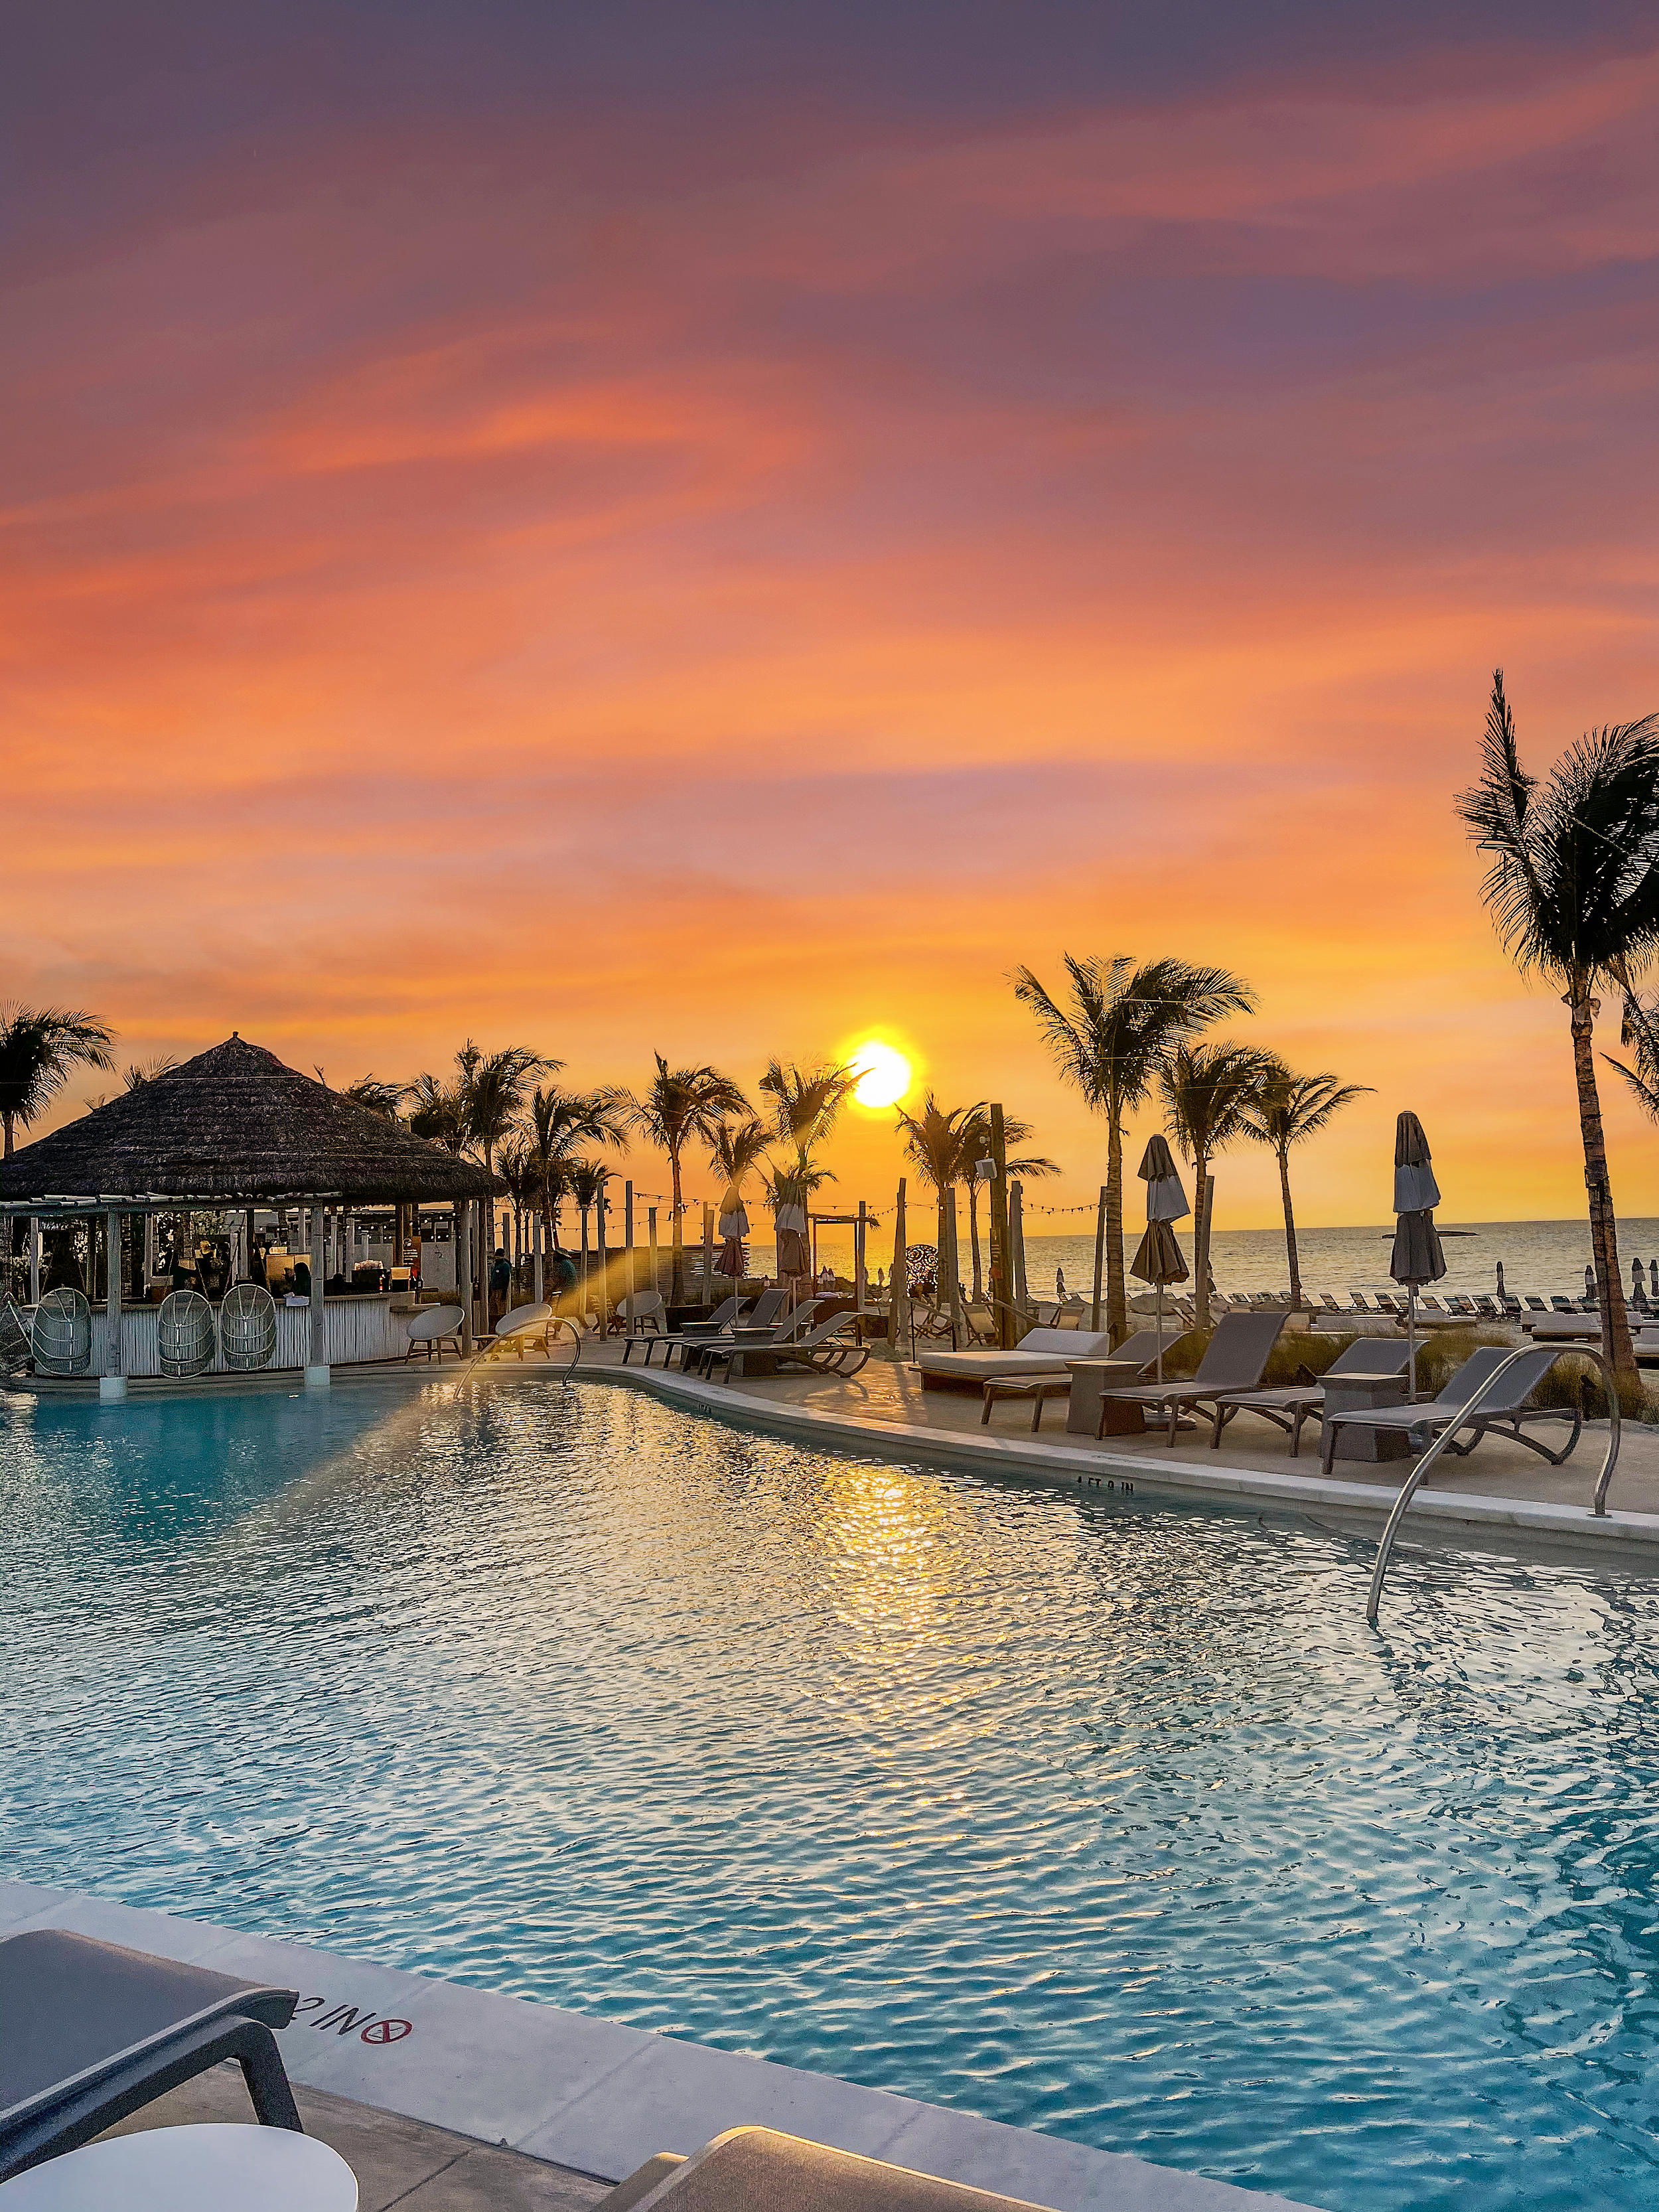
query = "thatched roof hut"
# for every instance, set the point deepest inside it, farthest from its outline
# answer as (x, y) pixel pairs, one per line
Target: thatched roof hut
(232, 1127)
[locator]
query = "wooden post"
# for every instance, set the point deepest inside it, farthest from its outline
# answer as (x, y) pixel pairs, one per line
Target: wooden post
(1017, 1245)
(1100, 1256)
(463, 1273)
(953, 1268)
(113, 1383)
(898, 1291)
(1002, 1287)
(859, 1275)
(707, 1257)
(628, 1251)
(651, 1232)
(602, 1209)
(317, 1372)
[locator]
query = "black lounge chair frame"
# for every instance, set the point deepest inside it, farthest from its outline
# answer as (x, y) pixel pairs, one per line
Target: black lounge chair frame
(90, 2031)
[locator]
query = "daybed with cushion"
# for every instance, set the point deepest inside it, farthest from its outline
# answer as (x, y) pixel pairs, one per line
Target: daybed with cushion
(1041, 1352)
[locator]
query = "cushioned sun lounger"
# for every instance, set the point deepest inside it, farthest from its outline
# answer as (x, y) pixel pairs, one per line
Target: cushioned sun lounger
(1506, 1410)
(1039, 1352)
(90, 2031)
(1290, 1405)
(1235, 1356)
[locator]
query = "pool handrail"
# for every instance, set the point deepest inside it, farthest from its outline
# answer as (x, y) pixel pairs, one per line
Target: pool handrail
(1487, 1388)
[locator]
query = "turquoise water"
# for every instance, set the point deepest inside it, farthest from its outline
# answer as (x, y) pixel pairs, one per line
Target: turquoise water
(1092, 1814)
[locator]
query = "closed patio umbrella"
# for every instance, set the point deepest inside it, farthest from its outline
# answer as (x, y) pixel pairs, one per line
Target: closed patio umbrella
(1158, 1257)
(1417, 1257)
(789, 1219)
(733, 1227)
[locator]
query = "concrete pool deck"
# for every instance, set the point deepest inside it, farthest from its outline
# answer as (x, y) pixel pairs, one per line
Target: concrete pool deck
(582, 2102)
(1502, 1487)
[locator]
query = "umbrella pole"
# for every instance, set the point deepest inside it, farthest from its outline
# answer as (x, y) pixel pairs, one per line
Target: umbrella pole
(1160, 1333)
(1410, 1341)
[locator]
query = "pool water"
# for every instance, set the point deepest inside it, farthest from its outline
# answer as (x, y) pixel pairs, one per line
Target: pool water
(1101, 1816)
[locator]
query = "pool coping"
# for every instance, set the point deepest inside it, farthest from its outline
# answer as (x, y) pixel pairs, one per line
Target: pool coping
(1069, 1466)
(594, 2094)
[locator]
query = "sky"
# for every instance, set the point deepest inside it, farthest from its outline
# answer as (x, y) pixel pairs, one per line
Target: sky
(722, 530)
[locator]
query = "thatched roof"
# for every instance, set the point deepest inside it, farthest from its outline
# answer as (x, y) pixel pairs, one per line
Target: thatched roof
(232, 1125)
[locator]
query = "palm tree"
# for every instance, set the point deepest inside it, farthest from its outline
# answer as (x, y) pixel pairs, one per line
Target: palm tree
(976, 1147)
(1208, 1089)
(495, 1102)
(1573, 889)
(39, 1047)
(1120, 1027)
(804, 1103)
(439, 1113)
(377, 1095)
(683, 1105)
(935, 1144)
(138, 1072)
(1287, 1109)
(560, 1122)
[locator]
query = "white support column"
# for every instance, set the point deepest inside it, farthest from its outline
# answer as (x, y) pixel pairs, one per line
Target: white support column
(113, 1383)
(317, 1375)
(34, 1259)
(463, 1273)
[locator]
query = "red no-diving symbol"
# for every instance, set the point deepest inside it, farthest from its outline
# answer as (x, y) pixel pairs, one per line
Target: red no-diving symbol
(388, 2031)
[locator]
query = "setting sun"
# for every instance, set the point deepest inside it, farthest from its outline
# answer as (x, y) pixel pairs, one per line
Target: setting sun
(883, 1073)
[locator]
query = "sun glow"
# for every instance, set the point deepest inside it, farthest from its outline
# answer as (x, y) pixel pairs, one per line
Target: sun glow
(883, 1071)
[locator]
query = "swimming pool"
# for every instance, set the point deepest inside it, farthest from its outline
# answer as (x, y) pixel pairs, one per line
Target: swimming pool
(1102, 1816)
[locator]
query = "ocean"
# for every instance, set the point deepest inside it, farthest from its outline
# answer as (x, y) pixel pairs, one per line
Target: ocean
(1544, 1257)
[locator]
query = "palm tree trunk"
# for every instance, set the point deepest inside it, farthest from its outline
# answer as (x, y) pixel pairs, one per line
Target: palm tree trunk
(1604, 1235)
(1117, 1304)
(584, 1288)
(973, 1231)
(1290, 1227)
(11, 1136)
(1201, 1242)
(677, 1281)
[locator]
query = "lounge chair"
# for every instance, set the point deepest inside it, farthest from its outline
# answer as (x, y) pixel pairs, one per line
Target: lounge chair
(90, 2031)
(752, 1338)
(1558, 1304)
(760, 2170)
(1507, 1410)
(1536, 1305)
(1141, 1348)
(981, 1323)
(1238, 1353)
(695, 1337)
(432, 1328)
(827, 1349)
(1288, 1405)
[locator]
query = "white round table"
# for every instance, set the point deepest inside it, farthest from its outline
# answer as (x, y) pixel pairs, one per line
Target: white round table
(193, 2169)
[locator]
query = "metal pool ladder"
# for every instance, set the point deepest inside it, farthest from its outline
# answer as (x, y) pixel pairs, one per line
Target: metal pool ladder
(1409, 1487)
